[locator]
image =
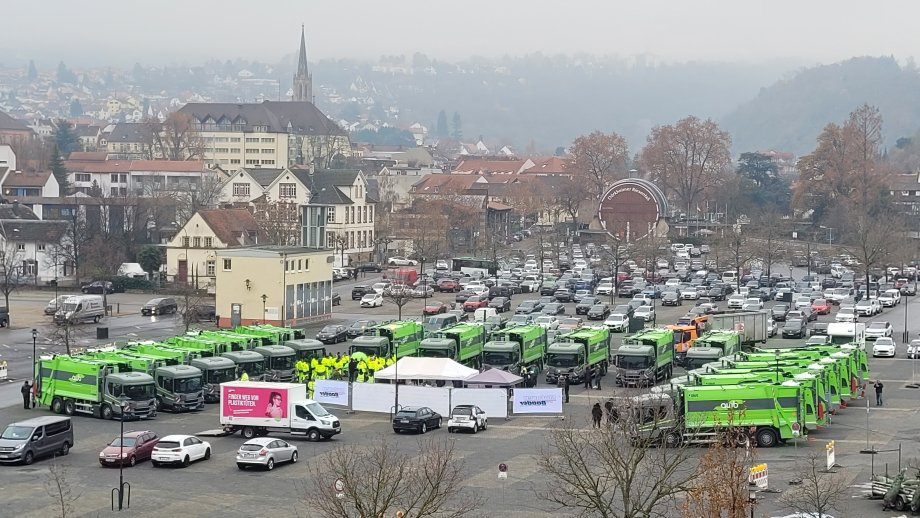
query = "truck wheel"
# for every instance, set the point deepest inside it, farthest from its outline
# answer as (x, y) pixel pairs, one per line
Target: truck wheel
(248, 432)
(313, 435)
(672, 439)
(69, 407)
(898, 504)
(106, 412)
(96, 319)
(766, 438)
(57, 406)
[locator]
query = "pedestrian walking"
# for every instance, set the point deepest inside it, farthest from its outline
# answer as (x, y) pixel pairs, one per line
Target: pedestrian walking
(26, 395)
(563, 383)
(879, 386)
(597, 378)
(596, 414)
(588, 373)
(608, 406)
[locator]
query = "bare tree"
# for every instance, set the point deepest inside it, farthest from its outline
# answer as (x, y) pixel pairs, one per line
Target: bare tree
(11, 274)
(720, 488)
(58, 487)
(176, 138)
(340, 244)
(378, 480)
(604, 472)
(570, 197)
(819, 492)
(191, 299)
(279, 220)
(771, 229)
(600, 157)
(871, 237)
(399, 296)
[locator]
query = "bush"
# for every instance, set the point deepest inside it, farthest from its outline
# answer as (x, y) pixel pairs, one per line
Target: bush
(121, 284)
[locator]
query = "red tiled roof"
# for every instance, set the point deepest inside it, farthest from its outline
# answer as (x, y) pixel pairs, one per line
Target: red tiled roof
(444, 183)
(21, 179)
(480, 166)
(549, 165)
(94, 156)
(229, 224)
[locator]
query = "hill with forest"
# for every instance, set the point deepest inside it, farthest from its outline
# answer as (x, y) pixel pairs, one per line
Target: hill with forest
(789, 114)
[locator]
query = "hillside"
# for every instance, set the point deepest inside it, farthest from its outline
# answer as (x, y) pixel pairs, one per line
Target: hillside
(790, 114)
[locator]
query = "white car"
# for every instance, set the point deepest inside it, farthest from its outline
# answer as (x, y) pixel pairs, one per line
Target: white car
(884, 346)
(180, 449)
(441, 264)
(467, 417)
(846, 313)
(371, 300)
(913, 349)
(604, 288)
(752, 305)
(890, 298)
(868, 307)
(771, 328)
(690, 293)
(646, 300)
(401, 261)
(265, 452)
(646, 313)
(877, 330)
(735, 302)
(617, 322)
(547, 322)
(803, 302)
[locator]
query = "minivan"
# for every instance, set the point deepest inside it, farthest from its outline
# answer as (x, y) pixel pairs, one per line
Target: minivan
(729, 276)
(438, 322)
(36, 437)
(80, 308)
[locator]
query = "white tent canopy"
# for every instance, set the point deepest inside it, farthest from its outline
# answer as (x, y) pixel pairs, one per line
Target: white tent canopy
(414, 368)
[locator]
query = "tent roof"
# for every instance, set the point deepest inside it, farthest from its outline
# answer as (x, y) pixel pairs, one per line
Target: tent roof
(495, 377)
(426, 369)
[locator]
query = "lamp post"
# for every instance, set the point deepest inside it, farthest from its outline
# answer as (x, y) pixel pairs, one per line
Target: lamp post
(752, 500)
(34, 362)
(776, 352)
(264, 298)
(123, 486)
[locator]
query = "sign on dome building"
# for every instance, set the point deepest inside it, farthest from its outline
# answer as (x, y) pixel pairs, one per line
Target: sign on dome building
(632, 209)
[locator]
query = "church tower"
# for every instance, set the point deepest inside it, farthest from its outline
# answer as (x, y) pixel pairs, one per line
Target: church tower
(303, 79)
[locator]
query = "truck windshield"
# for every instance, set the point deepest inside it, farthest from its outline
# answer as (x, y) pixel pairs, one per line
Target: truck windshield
(186, 385)
(633, 362)
(253, 368)
(562, 360)
(282, 362)
(135, 392)
(221, 375)
(436, 353)
(317, 410)
(498, 358)
(368, 350)
(70, 306)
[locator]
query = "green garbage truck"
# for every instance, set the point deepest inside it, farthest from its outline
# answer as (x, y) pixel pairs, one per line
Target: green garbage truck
(512, 348)
(711, 346)
(81, 385)
(571, 352)
(645, 357)
(215, 371)
(179, 388)
(461, 342)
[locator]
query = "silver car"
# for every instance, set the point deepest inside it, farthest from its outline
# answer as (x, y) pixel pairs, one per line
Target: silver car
(265, 452)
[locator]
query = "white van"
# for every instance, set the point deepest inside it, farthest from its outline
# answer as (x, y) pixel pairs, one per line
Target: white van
(132, 270)
(730, 276)
(80, 308)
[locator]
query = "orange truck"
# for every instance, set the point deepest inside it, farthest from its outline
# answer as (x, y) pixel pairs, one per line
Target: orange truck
(684, 335)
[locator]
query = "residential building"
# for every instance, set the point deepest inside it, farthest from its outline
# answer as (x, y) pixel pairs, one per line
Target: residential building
(128, 141)
(286, 286)
(15, 133)
(350, 211)
(191, 256)
(270, 134)
(140, 177)
(18, 184)
(36, 246)
(88, 134)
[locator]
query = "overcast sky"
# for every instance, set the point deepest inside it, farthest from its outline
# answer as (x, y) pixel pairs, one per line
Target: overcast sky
(110, 32)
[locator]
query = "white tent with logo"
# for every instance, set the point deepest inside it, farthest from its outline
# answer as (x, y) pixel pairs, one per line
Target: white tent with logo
(436, 369)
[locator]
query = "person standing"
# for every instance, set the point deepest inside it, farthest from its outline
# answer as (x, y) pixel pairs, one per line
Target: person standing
(596, 414)
(879, 386)
(608, 406)
(563, 383)
(26, 395)
(597, 378)
(588, 373)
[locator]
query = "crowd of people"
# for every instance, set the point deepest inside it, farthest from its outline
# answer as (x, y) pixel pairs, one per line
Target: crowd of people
(355, 368)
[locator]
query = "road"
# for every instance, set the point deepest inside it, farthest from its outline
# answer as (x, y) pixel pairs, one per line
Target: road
(216, 488)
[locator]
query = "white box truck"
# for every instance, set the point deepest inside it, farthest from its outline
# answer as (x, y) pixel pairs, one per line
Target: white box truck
(259, 408)
(752, 325)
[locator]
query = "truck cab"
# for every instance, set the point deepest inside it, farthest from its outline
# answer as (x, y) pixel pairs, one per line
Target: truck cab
(306, 349)
(279, 362)
(645, 358)
(214, 371)
(250, 362)
(371, 345)
(179, 388)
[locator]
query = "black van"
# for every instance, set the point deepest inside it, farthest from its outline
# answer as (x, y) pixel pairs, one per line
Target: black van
(36, 437)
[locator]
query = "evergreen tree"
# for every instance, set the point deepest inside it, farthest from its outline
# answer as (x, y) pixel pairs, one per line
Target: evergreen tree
(33, 72)
(458, 127)
(76, 109)
(59, 170)
(65, 139)
(442, 130)
(64, 75)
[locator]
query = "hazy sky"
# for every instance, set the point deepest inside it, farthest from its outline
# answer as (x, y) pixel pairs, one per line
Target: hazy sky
(103, 32)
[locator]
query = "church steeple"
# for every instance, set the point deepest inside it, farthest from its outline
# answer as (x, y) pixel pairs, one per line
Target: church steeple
(303, 79)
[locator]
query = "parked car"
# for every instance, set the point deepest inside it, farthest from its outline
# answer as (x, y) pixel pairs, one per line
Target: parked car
(434, 307)
(599, 312)
(359, 291)
(448, 286)
(548, 322)
(422, 291)
(876, 330)
(564, 295)
(202, 313)
(369, 267)
(570, 324)
(846, 313)
(553, 308)
(371, 300)
(160, 306)
(884, 346)
(179, 449)
(265, 452)
(646, 313)
(475, 302)
(501, 304)
(821, 307)
(794, 328)
(98, 288)
(752, 304)
(671, 298)
(358, 327)
(467, 417)
(913, 349)
(129, 449)
(779, 312)
(617, 322)
(332, 334)
(585, 304)
(401, 261)
(416, 419)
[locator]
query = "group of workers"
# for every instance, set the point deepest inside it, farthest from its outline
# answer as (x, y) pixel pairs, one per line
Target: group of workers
(339, 367)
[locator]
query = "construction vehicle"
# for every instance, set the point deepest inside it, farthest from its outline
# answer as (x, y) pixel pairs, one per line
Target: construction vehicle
(572, 353)
(511, 349)
(763, 413)
(711, 346)
(645, 357)
(684, 336)
(89, 386)
(461, 342)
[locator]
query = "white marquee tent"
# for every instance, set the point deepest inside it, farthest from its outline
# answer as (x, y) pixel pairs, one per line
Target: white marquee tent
(436, 369)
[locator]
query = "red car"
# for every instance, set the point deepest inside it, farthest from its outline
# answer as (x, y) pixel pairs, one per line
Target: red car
(448, 286)
(129, 449)
(821, 307)
(475, 302)
(434, 308)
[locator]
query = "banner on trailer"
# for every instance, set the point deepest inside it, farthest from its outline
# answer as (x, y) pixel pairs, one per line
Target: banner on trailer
(331, 392)
(537, 401)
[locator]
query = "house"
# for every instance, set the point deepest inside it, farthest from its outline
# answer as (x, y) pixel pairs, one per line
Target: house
(128, 141)
(140, 177)
(280, 285)
(35, 245)
(191, 255)
(39, 183)
(350, 211)
(15, 133)
(479, 166)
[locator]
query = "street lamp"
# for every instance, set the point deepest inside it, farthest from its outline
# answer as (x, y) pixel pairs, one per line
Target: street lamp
(752, 500)
(34, 362)
(264, 298)
(123, 487)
